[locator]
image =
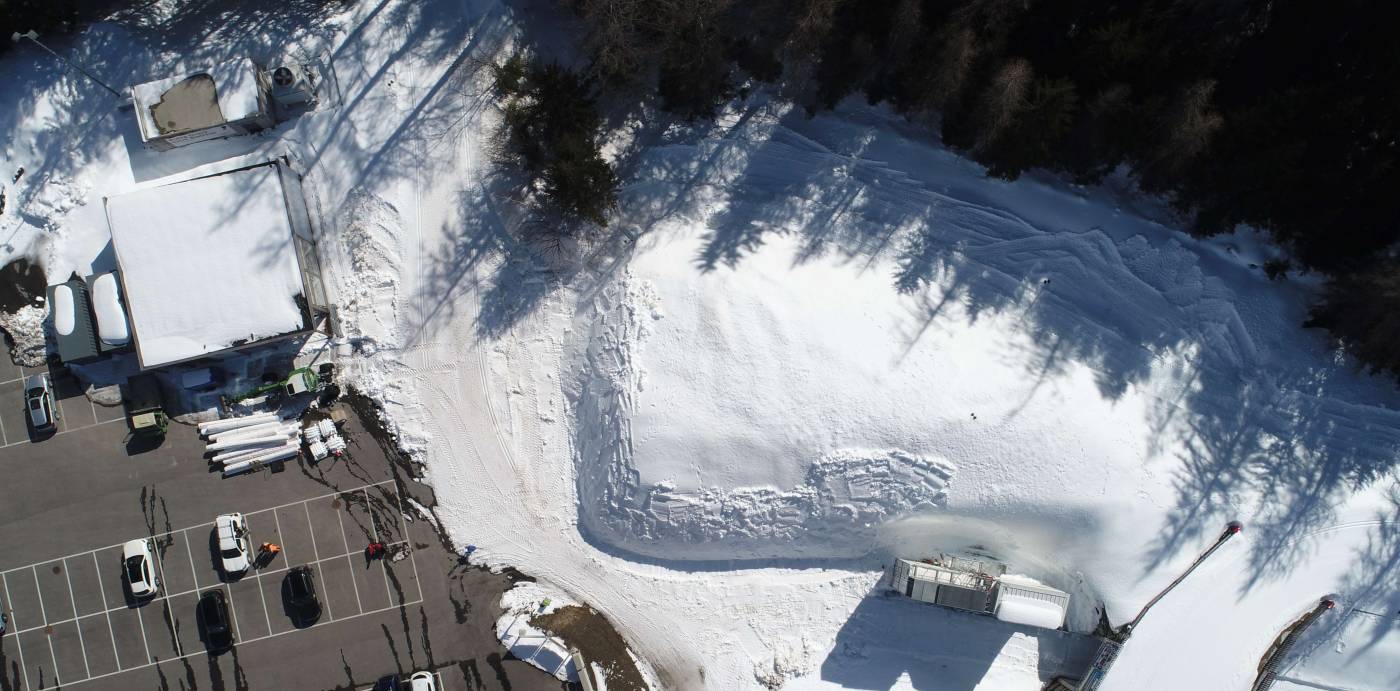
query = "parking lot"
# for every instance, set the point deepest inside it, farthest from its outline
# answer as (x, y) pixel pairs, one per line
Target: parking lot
(72, 499)
(74, 621)
(75, 411)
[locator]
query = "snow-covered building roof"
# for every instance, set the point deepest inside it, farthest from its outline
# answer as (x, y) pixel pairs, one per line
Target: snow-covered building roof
(209, 264)
(228, 92)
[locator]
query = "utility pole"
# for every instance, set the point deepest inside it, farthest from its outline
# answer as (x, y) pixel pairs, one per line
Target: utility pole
(34, 36)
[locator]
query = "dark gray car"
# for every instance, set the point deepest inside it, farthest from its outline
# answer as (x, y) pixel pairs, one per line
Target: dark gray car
(38, 401)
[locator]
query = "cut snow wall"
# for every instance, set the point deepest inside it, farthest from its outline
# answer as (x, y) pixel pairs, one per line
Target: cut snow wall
(834, 512)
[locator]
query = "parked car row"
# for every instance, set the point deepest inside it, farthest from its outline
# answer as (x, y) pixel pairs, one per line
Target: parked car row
(418, 681)
(140, 571)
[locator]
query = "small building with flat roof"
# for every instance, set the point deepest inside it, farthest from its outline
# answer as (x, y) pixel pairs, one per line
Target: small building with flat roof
(228, 98)
(216, 264)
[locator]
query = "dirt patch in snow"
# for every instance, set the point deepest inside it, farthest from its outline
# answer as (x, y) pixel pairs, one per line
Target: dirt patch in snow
(22, 311)
(594, 636)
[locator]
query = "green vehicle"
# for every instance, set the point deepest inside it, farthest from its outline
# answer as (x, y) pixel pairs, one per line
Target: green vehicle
(302, 380)
(145, 407)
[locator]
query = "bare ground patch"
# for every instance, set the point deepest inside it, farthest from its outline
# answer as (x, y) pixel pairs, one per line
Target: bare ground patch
(594, 636)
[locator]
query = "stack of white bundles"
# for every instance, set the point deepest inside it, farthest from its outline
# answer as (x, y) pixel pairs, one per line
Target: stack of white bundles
(336, 444)
(327, 428)
(318, 450)
(312, 434)
(234, 440)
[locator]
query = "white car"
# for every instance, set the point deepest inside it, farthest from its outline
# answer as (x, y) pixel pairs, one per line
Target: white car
(234, 548)
(139, 565)
(422, 681)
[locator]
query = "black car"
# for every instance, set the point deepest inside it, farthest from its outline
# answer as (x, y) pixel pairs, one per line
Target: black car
(387, 683)
(214, 621)
(300, 591)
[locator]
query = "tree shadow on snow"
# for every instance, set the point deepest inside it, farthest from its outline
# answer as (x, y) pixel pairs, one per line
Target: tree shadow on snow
(1250, 407)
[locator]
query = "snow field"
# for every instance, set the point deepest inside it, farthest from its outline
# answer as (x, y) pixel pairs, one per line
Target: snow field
(718, 440)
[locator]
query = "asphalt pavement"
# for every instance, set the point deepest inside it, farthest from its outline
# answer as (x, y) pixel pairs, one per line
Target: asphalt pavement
(70, 500)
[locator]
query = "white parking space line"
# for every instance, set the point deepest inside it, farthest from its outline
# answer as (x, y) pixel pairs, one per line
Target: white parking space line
(116, 657)
(9, 443)
(76, 624)
(233, 614)
(374, 528)
(169, 616)
(108, 608)
(39, 591)
(195, 526)
(141, 623)
(167, 596)
(266, 617)
(57, 678)
(280, 540)
(403, 530)
(2, 432)
(189, 552)
(359, 603)
(315, 551)
(19, 645)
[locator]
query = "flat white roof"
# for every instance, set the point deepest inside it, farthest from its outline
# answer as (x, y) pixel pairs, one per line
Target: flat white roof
(207, 264)
(236, 85)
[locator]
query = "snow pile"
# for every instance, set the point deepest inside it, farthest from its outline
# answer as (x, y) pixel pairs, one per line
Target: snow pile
(728, 421)
(25, 327)
(370, 229)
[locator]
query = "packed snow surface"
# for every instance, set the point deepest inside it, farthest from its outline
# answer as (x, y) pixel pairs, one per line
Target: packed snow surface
(808, 346)
(207, 263)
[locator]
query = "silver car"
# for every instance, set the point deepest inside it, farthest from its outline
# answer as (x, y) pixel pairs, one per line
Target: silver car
(38, 400)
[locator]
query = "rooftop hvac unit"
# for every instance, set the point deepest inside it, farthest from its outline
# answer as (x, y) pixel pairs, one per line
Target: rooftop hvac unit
(293, 85)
